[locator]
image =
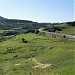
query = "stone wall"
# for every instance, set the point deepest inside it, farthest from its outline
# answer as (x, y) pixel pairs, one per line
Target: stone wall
(58, 35)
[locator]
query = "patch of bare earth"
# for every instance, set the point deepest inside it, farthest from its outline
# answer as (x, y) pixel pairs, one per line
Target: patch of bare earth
(17, 64)
(40, 65)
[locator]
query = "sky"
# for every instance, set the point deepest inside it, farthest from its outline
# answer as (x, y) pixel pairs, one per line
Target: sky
(38, 10)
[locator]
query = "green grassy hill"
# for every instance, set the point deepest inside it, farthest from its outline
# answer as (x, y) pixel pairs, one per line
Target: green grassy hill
(41, 55)
(67, 29)
(62, 28)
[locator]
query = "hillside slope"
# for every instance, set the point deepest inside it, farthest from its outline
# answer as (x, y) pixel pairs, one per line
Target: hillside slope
(41, 55)
(2, 18)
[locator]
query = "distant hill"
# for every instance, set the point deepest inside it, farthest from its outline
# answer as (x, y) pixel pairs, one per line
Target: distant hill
(2, 18)
(26, 24)
(20, 24)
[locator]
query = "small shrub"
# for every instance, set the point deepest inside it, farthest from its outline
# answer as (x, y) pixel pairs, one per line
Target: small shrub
(24, 41)
(14, 69)
(15, 56)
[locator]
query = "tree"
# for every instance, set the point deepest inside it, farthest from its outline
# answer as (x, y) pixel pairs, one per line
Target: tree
(36, 31)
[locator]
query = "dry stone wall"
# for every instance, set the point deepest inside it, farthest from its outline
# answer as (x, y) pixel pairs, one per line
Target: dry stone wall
(58, 35)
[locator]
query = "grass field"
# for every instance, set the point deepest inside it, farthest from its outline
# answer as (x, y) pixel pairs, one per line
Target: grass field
(41, 55)
(66, 29)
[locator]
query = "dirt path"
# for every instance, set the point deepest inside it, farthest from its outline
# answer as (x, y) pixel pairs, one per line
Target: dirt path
(40, 65)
